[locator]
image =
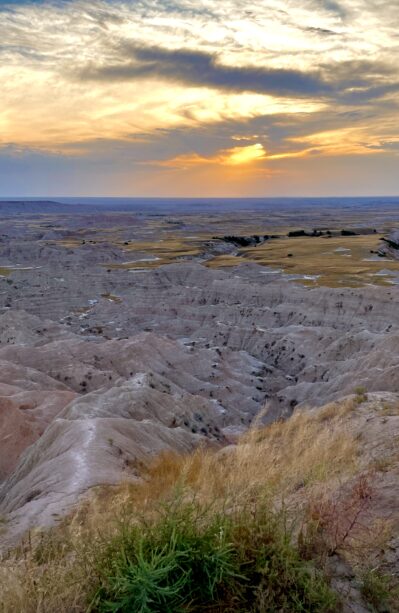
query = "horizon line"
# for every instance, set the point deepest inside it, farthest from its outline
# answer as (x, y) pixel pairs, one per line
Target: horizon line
(43, 197)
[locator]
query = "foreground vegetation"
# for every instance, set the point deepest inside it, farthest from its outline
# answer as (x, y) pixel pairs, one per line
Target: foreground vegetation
(193, 560)
(260, 526)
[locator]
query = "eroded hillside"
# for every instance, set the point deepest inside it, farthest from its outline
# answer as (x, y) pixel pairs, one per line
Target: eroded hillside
(110, 355)
(327, 478)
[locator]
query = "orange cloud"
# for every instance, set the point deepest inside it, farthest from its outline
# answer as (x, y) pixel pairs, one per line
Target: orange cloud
(236, 156)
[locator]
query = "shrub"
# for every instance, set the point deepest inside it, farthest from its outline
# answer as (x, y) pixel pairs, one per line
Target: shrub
(193, 559)
(337, 524)
(361, 394)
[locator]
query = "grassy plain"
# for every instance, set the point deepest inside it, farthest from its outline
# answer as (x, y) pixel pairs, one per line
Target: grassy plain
(167, 250)
(335, 262)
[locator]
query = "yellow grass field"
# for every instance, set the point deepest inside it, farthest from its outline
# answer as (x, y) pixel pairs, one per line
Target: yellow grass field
(336, 261)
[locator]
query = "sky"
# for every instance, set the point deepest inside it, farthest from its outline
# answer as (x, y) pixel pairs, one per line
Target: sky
(199, 98)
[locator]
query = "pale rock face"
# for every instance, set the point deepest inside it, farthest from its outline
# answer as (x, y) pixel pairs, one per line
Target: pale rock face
(24, 416)
(188, 355)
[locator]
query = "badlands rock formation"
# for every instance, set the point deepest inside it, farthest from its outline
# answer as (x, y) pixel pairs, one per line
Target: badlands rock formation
(102, 367)
(187, 354)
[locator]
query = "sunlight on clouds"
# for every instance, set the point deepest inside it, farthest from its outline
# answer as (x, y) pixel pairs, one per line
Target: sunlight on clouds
(313, 81)
(236, 156)
(58, 112)
(246, 155)
(348, 141)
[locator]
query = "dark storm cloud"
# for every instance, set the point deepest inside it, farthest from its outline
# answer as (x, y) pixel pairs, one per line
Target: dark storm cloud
(199, 68)
(361, 81)
(363, 96)
(346, 82)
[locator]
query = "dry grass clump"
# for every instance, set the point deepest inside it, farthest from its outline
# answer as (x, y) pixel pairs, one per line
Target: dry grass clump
(307, 449)
(275, 461)
(270, 467)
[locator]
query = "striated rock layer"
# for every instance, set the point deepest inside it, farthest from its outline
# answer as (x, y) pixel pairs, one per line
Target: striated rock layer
(179, 355)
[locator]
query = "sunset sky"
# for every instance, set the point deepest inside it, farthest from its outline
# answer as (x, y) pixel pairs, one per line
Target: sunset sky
(199, 98)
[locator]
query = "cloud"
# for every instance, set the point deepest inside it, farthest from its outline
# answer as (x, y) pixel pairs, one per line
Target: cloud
(235, 156)
(363, 95)
(322, 31)
(123, 88)
(333, 6)
(204, 69)
(350, 82)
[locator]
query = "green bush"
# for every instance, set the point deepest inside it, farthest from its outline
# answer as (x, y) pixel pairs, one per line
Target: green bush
(361, 394)
(192, 559)
(377, 591)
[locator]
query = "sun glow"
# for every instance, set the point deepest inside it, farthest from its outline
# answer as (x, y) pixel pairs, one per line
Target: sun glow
(236, 156)
(246, 155)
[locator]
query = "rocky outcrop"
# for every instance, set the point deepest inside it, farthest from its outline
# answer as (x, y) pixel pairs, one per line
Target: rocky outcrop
(391, 245)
